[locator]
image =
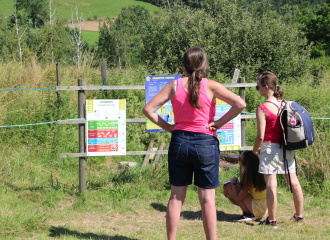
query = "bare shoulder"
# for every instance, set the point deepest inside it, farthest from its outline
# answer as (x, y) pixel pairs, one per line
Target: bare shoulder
(170, 85)
(211, 84)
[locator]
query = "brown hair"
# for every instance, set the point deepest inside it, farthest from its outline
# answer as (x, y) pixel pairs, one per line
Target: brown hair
(251, 177)
(269, 79)
(195, 61)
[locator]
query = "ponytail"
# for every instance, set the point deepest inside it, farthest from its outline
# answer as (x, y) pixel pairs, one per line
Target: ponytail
(278, 92)
(195, 62)
(194, 83)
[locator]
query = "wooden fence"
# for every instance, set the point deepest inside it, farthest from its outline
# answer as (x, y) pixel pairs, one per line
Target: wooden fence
(81, 115)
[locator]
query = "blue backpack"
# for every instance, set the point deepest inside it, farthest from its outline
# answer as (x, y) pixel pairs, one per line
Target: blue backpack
(297, 127)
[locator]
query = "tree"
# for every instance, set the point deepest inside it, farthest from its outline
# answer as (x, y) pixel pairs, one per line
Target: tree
(7, 39)
(53, 42)
(36, 9)
(253, 40)
(76, 36)
(318, 31)
(121, 42)
(50, 24)
(19, 34)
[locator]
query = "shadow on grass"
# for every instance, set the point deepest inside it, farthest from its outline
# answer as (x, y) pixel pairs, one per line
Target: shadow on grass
(221, 217)
(61, 231)
(191, 215)
(159, 207)
(18, 189)
(69, 189)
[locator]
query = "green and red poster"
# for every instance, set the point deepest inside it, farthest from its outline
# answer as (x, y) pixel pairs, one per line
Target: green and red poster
(106, 127)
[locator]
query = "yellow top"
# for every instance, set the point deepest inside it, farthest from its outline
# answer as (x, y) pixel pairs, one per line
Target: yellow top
(257, 195)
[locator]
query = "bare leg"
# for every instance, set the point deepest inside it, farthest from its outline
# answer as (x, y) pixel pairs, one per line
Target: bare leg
(178, 195)
(271, 183)
(298, 197)
(209, 213)
(245, 204)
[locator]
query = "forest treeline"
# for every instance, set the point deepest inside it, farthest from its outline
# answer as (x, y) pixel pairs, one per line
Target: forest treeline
(276, 4)
(253, 36)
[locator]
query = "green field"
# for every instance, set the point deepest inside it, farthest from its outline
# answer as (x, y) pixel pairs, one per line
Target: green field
(90, 36)
(99, 8)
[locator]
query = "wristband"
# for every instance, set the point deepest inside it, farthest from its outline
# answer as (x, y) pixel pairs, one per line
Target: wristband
(233, 183)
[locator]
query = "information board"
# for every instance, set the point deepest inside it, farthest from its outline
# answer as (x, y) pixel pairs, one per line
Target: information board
(229, 135)
(154, 84)
(106, 127)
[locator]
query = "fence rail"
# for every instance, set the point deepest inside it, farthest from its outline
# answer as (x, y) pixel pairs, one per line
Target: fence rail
(134, 87)
(130, 120)
(136, 152)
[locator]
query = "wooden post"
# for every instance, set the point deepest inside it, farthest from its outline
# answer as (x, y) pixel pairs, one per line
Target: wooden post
(235, 77)
(104, 75)
(146, 158)
(82, 160)
(158, 156)
(243, 136)
(58, 76)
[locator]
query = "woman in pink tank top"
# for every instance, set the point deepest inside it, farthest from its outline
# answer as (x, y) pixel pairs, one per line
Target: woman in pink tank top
(269, 135)
(194, 149)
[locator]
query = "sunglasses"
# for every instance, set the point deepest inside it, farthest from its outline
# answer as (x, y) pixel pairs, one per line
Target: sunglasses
(257, 87)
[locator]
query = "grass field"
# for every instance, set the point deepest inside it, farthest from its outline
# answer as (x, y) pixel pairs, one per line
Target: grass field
(90, 36)
(99, 8)
(130, 205)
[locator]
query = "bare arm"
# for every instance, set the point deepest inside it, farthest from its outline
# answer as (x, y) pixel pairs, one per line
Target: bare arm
(261, 126)
(236, 193)
(222, 93)
(156, 102)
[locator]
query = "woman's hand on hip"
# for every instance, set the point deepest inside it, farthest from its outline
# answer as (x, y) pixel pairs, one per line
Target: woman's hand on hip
(170, 129)
(214, 126)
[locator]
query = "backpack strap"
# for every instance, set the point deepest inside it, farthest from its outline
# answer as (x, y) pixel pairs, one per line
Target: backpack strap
(273, 103)
(278, 107)
(286, 169)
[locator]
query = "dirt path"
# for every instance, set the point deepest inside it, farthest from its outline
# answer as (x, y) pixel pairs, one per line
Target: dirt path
(88, 26)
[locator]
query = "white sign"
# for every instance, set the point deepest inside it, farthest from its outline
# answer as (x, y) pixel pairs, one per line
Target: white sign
(106, 127)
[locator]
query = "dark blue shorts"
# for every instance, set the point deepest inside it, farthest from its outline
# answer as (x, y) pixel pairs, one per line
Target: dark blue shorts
(193, 153)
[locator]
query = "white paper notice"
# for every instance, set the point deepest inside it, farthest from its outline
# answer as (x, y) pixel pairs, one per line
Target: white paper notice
(106, 127)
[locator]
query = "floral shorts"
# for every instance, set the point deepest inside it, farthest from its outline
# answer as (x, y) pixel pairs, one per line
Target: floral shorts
(259, 207)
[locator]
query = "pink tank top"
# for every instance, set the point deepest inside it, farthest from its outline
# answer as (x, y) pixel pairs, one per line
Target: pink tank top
(189, 118)
(273, 131)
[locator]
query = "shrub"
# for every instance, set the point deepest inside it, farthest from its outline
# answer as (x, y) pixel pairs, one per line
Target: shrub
(253, 41)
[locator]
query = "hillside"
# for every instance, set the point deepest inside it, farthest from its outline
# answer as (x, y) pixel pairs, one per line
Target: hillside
(99, 8)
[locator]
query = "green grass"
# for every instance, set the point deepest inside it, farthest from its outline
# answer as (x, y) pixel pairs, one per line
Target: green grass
(99, 8)
(90, 36)
(130, 204)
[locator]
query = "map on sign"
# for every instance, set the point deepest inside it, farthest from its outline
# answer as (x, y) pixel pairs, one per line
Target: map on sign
(229, 135)
(106, 127)
(154, 84)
